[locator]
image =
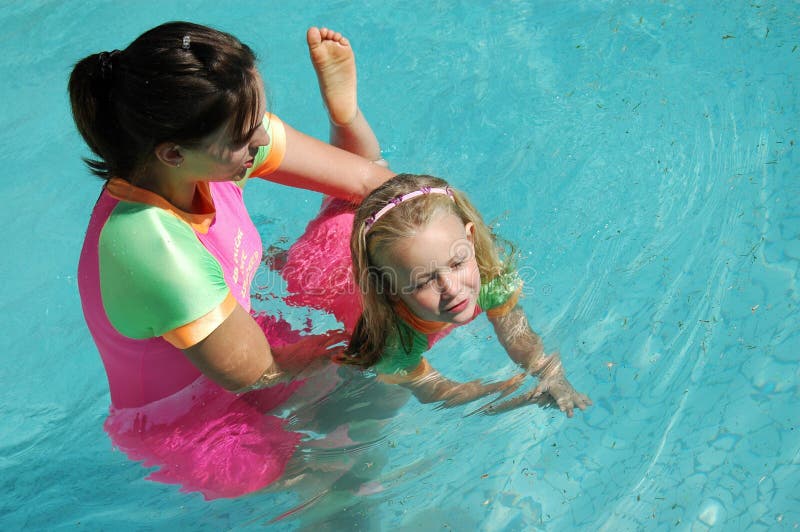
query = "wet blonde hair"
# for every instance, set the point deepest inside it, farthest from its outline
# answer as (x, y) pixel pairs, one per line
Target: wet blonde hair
(378, 319)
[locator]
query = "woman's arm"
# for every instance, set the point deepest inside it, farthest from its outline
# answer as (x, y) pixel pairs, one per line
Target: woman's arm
(237, 356)
(314, 165)
(430, 386)
(525, 348)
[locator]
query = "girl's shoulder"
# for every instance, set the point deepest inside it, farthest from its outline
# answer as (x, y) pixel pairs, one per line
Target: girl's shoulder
(499, 290)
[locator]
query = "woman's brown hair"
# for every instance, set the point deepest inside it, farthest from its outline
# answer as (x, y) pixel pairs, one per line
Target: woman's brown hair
(178, 82)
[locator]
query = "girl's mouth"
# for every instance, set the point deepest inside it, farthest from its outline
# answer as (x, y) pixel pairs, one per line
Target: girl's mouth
(458, 307)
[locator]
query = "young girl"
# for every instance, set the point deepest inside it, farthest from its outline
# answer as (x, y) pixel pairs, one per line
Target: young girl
(425, 263)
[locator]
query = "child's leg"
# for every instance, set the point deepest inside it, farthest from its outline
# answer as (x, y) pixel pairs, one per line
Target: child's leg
(335, 64)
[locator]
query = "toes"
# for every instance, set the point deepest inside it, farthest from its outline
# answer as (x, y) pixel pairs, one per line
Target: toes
(313, 36)
(327, 34)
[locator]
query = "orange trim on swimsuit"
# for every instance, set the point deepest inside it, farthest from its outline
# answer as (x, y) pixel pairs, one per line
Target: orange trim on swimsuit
(200, 221)
(277, 151)
(423, 326)
(394, 378)
(194, 332)
(505, 308)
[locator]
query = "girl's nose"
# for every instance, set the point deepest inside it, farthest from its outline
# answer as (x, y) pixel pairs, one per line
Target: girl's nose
(448, 285)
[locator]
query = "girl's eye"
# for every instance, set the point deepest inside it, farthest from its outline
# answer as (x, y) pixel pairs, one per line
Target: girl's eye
(427, 282)
(458, 264)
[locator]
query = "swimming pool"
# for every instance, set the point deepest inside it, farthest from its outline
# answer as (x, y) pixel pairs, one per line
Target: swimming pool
(643, 157)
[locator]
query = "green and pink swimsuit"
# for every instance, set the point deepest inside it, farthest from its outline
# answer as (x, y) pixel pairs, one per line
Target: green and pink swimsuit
(155, 280)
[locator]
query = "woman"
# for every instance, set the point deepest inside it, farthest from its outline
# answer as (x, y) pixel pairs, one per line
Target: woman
(178, 123)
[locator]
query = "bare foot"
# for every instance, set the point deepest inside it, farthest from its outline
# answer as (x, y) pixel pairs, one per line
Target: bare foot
(335, 63)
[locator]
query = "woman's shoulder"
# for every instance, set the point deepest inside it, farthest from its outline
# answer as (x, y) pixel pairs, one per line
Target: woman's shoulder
(138, 225)
(145, 245)
(154, 272)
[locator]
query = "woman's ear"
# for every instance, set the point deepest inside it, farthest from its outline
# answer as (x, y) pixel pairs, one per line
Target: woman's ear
(169, 153)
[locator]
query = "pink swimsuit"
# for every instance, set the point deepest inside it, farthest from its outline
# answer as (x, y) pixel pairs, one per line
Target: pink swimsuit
(155, 280)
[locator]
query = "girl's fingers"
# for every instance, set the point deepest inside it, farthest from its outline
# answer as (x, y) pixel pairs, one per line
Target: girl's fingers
(537, 392)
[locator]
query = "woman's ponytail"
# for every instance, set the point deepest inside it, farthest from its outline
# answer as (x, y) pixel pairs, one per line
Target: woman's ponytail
(178, 82)
(91, 87)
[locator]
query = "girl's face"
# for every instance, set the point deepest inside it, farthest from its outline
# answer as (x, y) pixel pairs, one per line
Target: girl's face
(435, 272)
(219, 158)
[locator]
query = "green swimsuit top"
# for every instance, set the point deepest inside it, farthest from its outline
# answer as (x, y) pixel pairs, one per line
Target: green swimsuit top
(404, 349)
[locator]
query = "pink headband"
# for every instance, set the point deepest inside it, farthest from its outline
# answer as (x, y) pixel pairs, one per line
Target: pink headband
(397, 200)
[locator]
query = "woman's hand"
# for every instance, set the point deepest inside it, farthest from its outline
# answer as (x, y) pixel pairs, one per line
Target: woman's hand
(311, 353)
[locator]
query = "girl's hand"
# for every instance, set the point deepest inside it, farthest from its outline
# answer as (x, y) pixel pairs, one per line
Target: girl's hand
(553, 390)
(553, 383)
(557, 388)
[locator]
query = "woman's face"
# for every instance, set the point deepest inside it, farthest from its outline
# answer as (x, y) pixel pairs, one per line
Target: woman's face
(435, 272)
(219, 158)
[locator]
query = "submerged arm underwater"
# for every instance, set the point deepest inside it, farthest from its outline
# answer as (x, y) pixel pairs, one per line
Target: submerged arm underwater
(430, 386)
(526, 349)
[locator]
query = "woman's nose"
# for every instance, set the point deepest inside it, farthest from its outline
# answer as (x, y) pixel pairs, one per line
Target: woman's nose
(260, 138)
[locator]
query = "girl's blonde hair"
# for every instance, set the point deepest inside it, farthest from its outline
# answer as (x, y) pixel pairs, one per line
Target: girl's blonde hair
(378, 319)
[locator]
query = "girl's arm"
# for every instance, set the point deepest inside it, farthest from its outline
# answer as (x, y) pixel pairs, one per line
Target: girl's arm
(430, 386)
(525, 348)
(314, 165)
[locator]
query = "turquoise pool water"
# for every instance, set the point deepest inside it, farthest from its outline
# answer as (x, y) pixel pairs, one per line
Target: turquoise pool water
(643, 157)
